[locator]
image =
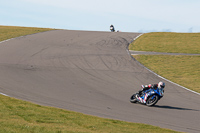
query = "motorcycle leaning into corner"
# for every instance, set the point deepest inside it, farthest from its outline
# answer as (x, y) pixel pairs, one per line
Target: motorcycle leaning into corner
(148, 96)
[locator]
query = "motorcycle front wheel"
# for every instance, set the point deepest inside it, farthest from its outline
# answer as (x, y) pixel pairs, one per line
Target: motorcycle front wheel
(152, 100)
(133, 99)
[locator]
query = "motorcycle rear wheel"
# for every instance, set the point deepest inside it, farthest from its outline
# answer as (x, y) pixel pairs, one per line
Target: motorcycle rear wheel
(152, 100)
(133, 99)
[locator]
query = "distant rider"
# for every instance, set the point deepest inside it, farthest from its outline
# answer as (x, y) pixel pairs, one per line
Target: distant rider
(112, 28)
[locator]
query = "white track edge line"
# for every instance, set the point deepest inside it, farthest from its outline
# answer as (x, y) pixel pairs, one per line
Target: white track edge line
(4, 94)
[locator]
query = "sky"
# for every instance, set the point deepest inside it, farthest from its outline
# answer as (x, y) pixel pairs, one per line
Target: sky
(97, 15)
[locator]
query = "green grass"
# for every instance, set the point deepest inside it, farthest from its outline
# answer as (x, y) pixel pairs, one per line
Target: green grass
(7, 32)
(17, 116)
(184, 70)
(168, 42)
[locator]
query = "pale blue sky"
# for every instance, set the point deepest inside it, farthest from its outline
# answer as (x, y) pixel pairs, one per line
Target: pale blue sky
(98, 15)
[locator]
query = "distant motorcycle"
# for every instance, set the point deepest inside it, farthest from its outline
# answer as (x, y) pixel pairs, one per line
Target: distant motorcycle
(148, 97)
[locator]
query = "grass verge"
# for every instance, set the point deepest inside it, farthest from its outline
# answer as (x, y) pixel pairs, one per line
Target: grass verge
(168, 42)
(18, 116)
(7, 32)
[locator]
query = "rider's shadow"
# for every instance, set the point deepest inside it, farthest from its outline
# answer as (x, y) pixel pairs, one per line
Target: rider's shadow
(171, 107)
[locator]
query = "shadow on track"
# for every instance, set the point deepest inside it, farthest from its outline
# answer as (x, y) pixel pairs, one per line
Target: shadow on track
(171, 107)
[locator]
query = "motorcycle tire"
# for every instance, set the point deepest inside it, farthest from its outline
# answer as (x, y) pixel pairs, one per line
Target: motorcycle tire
(133, 99)
(152, 100)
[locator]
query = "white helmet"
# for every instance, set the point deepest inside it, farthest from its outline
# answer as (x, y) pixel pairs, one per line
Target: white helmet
(161, 85)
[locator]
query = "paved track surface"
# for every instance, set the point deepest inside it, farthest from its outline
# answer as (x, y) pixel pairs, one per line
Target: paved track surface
(92, 73)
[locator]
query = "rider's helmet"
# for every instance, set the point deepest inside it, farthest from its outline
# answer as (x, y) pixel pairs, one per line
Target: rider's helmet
(161, 85)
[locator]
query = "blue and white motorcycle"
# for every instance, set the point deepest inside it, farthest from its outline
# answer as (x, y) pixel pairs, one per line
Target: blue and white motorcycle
(148, 97)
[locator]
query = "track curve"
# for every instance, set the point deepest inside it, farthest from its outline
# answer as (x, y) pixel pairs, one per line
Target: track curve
(92, 73)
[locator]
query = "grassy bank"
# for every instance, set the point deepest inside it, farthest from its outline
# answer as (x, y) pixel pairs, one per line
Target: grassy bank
(17, 116)
(23, 117)
(7, 32)
(168, 42)
(184, 70)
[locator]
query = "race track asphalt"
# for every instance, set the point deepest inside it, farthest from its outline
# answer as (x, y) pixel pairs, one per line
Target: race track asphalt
(91, 72)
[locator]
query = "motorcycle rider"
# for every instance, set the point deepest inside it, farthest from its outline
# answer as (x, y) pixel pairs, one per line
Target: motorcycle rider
(112, 28)
(160, 86)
